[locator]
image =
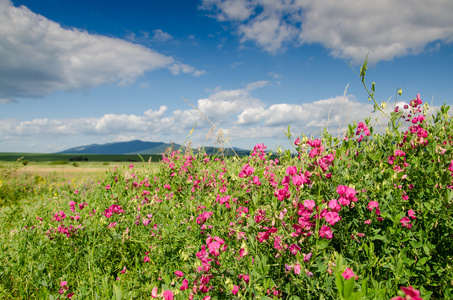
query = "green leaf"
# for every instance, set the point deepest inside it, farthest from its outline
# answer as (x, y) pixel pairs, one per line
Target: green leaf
(339, 281)
(348, 287)
(379, 237)
(322, 244)
(117, 291)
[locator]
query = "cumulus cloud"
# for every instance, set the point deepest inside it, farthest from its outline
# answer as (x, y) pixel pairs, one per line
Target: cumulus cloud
(236, 10)
(38, 56)
(247, 118)
(161, 36)
(349, 28)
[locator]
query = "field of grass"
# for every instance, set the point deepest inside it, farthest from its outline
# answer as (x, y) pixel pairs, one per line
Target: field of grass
(60, 171)
(46, 157)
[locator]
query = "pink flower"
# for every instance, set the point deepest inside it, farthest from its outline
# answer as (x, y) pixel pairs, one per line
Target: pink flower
(341, 189)
(411, 214)
(307, 257)
(298, 180)
(214, 248)
(368, 222)
(348, 273)
(246, 171)
(411, 292)
(235, 289)
(405, 221)
(154, 292)
(179, 273)
(333, 205)
(297, 269)
(291, 170)
(344, 201)
(168, 295)
(185, 285)
(373, 204)
(256, 180)
(146, 259)
(325, 232)
(111, 225)
(332, 217)
(294, 249)
(309, 204)
(246, 278)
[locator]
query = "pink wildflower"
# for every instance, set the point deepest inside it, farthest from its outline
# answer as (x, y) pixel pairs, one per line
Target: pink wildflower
(333, 205)
(332, 217)
(185, 285)
(291, 170)
(235, 289)
(411, 214)
(294, 249)
(111, 225)
(309, 204)
(411, 292)
(64, 284)
(179, 273)
(373, 204)
(168, 295)
(297, 269)
(256, 180)
(214, 248)
(348, 273)
(326, 232)
(405, 221)
(154, 292)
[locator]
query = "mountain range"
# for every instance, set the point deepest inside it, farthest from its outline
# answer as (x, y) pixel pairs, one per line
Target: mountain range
(140, 147)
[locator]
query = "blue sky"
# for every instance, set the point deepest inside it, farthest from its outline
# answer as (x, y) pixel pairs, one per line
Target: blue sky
(80, 72)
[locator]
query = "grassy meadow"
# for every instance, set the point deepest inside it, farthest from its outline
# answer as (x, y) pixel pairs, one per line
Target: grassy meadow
(368, 216)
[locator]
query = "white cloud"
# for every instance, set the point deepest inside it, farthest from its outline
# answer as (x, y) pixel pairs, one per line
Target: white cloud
(256, 85)
(248, 120)
(161, 36)
(38, 56)
(349, 28)
(178, 67)
(237, 10)
(275, 75)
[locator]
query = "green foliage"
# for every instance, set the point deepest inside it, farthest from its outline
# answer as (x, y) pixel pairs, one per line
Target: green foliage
(352, 219)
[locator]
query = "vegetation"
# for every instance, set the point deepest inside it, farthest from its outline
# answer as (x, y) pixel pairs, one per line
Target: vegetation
(366, 217)
(48, 157)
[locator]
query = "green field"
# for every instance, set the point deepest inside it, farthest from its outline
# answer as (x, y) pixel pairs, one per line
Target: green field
(40, 157)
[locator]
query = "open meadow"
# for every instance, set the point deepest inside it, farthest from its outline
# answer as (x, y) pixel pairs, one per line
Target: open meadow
(366, 217)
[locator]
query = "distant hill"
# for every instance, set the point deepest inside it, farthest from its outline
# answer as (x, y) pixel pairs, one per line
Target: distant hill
(139, 147)
(132, 147)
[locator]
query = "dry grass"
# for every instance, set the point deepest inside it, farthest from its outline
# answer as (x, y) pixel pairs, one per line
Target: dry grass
(62, 173)
(215, 134)
(65, 173)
